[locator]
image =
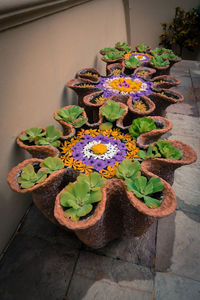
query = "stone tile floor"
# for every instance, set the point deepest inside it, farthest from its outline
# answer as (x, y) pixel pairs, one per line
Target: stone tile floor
(44, 262)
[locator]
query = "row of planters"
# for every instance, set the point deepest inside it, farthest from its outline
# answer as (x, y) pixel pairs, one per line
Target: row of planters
(142, 94)
(161, 59)
(103, 180)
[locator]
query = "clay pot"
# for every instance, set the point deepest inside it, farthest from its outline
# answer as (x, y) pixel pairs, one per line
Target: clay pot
(165, 168)
(147, 50)
(108, 62)
(147, 138)
(44, 193)
(110, 68)
(77, 86)
(82, 74)
(127, 70)
(38, 151)
(168, 81)
(163, 101)
(160, 70)
(150, 71)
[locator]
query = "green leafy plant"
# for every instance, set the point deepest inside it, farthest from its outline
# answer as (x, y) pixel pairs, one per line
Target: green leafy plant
(112, 111)
(29, 177)
(32, 135)
(51, 164)
(142, 188)
(108, 49)
(161, 149)
(113, 55)
(106, 126)
(52, 137)
(157, 61)
(132, 62)
(168, 151)
(72, 115)
(123, 46)
(80, 196)
(152, 152)
(142, 47)
(160, 51)
(169, 56)
(141, 125)
(183, 31)
(128, 169)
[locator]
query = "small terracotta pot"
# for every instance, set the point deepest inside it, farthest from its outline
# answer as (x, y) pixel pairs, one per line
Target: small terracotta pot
(160, 70)
(165, 168)
(168, 81)
(163, 101)
(150, 71)
(110, 68)
(147, 50)
(38, 151)
(127, 70)
(108, 62)
(147, 138)
(81, 90)
(133, 114)
(83, 75)
(44, 193)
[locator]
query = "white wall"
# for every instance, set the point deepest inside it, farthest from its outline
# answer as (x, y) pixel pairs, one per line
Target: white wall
(37, 59)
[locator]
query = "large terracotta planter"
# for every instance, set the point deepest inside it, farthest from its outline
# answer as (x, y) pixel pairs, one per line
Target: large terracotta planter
(38, 151)
(165, 168)
(166, 81)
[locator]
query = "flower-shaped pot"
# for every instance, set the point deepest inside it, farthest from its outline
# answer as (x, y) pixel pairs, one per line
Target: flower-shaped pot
(90, 74)
(165, 168)
(38, 151)
(43, 194)
(163, 98)
(163, 126)
(114, 69)
(160, 70)
(165, 81)
(145, 72)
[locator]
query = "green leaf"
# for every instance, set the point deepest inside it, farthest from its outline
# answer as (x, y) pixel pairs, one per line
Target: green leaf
(95, 196)
(29, 177)
(106, 126)
(68, 200)
(113, 55)
(81, 190)
(32, 134)
(112, 111)
(127, 169)
(159, 62)
(52, 164)
(71, 214)
(140, 184)
(141, 125)
(168, 151)
(72, 115)
(152, 202)
(27, 185)
(133, 62)
(142, 47)
(157, 184)
(84, 210)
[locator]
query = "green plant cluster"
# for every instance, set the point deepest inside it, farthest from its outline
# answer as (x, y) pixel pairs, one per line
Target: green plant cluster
(79, 197)
(158, 61)
(139, 185)
(112, 111)
(108, 49)
(142, 47)
(183, 31)
(161, 149)
(141, 125)
(123, 46)
(133, 62)
(113, 55)
(29, 177)
(39, 137)
(72, 115)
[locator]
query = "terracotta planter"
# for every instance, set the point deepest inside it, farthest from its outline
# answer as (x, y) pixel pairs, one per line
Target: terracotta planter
(119, 214)
(78, 86)
(160, 70)
(43, 194)
(133, 114)
(147, 50)
(165, 168)
(82, 74)
(163, 101)
(166, 81)
(174, 61)
(38, 151)
(127, 70)
(110, 69)
(109, 62)
(147, 138)
(150, 72)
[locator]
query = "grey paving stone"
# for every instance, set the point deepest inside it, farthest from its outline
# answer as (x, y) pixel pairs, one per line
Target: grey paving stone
(36, 224)
(98, 277)
(138, 250)
(178, 244)
(195, 69)
(189, 108)
(35, 269)
(170, 287)
(184, 125)
(187, 188)
(185, 80)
